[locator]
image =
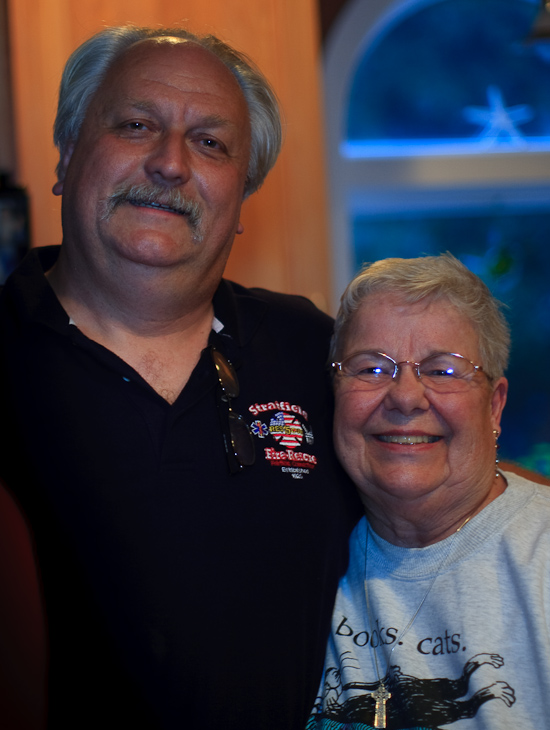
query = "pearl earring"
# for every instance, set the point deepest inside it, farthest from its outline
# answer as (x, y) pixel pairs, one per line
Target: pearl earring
(496, 434)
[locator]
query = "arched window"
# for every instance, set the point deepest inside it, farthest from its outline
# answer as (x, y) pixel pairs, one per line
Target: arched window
(438, 121)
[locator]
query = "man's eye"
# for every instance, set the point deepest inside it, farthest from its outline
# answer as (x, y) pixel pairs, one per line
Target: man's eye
(210, 143)
(137, 126)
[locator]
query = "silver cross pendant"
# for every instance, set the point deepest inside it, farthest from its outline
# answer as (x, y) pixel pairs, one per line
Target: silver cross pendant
(381, 696)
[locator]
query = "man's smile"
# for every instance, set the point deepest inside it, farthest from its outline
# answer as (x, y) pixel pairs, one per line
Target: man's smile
(157, 206)
(157, 197)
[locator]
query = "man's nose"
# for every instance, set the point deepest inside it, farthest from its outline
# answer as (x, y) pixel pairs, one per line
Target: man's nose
(169, 160)
(406, 391)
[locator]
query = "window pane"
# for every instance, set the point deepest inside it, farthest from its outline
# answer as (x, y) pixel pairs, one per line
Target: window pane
(453, 71)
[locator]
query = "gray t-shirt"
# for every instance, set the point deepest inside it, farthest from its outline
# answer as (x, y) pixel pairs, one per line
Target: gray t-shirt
(477, 655)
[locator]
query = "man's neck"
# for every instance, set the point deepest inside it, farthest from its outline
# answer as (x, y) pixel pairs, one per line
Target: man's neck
(154, 323)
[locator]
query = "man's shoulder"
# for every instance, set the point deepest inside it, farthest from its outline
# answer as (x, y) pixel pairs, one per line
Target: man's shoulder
(291, 302)
(290, 311)
(29, 273)
(26, 297)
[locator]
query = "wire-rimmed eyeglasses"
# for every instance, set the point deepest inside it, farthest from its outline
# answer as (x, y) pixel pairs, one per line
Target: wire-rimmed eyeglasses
(444, 372)
(239, 444)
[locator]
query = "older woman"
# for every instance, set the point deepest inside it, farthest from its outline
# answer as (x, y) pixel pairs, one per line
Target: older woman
(443, 618)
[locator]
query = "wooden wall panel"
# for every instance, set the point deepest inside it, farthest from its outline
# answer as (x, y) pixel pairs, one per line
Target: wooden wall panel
(284, 245)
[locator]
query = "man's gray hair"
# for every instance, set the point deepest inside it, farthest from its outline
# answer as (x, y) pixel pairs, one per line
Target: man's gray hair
(88, 65)
(431, 277)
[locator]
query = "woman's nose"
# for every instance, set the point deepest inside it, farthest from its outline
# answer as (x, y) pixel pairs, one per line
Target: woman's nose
(406, 391)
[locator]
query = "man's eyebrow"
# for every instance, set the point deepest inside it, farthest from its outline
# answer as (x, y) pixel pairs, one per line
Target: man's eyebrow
(138, 104)
(127, 106)
(214, 120)
(142, 105)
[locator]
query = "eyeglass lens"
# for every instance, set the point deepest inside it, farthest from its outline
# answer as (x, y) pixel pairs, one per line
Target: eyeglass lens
(240, 438)
(226, 375)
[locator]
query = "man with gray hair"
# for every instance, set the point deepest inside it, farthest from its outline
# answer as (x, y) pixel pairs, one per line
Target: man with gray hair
(170, 430)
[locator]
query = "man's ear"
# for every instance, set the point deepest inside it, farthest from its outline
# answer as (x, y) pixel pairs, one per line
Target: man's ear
(62, 169)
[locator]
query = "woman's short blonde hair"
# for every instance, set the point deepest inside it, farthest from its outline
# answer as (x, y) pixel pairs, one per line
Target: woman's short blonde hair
(434, 277)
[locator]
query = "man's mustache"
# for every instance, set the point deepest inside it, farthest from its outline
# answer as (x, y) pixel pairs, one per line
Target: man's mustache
(158, 196)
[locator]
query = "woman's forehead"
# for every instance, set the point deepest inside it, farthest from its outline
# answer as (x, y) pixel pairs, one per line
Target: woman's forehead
(386, 320)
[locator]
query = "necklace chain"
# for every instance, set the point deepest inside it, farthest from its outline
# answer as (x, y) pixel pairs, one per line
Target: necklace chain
(381, 695)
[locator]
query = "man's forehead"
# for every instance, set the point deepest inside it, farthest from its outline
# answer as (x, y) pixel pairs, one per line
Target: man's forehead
(174, 61)
(162, 49)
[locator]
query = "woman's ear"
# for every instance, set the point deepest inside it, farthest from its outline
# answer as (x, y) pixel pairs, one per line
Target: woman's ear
(498, 401)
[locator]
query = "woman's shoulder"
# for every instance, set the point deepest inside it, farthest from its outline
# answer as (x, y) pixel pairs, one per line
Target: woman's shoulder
(527, 474)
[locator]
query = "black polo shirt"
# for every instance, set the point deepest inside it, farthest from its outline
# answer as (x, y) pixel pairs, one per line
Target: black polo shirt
(177, 593)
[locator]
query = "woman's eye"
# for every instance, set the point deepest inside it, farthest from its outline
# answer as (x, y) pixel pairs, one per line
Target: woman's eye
(438, 373)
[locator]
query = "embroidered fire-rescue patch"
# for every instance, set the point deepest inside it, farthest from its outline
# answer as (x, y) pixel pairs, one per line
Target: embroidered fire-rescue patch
(287, 424)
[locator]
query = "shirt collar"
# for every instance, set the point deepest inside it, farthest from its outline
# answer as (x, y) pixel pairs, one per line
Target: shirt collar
(239, 310)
